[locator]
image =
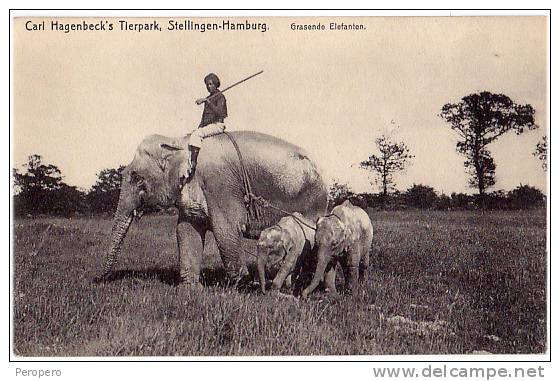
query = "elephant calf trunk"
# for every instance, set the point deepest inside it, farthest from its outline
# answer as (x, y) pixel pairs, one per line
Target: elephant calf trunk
(120, 228)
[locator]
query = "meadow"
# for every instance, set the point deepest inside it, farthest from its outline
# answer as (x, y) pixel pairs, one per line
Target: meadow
(453, 282)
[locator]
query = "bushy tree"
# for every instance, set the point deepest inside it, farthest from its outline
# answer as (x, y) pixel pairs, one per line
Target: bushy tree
(40, 190)
(420, 196)
(526, 197)
(480, 119)
(104, 194)
(462, 201)
(390, 158)
(443, 202)
(34, 186)
(496, 200)
(67, 201)
(37, 177)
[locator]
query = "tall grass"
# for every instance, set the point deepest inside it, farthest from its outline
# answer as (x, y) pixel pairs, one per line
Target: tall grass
(440, 282)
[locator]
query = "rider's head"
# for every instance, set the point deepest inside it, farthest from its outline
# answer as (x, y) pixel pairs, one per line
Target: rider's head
(212, 82)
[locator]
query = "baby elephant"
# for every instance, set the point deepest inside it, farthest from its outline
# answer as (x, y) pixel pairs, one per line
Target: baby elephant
(344, 237)
(280, 246)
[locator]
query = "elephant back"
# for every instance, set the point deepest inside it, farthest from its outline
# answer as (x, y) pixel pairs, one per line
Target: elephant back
(280, 172)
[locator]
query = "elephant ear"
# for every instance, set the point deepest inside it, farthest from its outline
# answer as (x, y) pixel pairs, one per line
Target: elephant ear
(167, 151)
(170, 147)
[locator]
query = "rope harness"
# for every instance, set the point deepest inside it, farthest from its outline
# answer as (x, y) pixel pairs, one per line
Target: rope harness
(252, 210)
(262, 201)
(332, 214)
(251, 199)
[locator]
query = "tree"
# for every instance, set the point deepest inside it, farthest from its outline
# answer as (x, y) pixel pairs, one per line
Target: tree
(391, 158)
(525, 197)
(479, 119)
(541, 151)
(35, 185)
(420, 196)
(104, 194)
(38, 176)
(338, 193)
(461, 201)
(40, 189)
(67, 201)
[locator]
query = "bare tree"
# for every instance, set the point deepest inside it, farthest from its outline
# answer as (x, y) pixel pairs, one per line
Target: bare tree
(541, 152)
(392, 157)
(480, 119)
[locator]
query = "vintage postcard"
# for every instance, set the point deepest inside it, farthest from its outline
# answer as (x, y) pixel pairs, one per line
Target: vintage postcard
(246, 186)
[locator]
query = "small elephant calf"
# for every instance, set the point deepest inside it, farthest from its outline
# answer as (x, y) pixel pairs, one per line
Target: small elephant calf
(280, 247)
(344, 236)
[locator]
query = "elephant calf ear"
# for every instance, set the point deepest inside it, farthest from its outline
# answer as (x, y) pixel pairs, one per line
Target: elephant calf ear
(287, 239)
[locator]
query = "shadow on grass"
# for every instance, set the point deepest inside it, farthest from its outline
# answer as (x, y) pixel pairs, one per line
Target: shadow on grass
(168, 276)
(210, 277)
(214, 277)
(217, 277)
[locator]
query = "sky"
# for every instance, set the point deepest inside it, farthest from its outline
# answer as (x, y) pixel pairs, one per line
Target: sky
(85, 99)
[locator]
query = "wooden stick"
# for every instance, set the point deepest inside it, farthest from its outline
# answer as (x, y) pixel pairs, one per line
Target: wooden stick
(229, 87)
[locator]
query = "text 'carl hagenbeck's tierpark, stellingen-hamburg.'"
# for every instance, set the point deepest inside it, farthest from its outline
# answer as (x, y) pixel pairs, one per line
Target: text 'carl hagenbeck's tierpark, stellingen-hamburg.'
(126, 25)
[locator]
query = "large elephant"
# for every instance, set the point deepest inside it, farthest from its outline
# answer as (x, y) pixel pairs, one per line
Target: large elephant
(214, 199)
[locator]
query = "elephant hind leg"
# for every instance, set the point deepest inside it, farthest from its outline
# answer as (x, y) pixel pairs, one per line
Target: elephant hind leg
(230, 245)
(364, 262)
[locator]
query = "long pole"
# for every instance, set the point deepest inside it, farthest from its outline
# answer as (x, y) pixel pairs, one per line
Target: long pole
(235, 84)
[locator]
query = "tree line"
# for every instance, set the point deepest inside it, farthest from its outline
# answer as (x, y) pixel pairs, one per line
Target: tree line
(40, 189)
(421, 196)
(478, 120)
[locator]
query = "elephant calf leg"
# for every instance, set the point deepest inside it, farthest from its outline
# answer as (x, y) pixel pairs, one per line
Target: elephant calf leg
(351, 275)
(364, 261)
(330, 277)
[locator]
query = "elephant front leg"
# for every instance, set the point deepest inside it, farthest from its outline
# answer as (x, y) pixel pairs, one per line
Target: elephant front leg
(190, 240)
(330, 278)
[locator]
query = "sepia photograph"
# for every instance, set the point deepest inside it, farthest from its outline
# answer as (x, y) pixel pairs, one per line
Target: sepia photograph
(272, 186)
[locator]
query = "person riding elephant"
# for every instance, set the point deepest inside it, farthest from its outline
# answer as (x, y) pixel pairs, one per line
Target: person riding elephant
(212, 122)
(216, 198)
(344, 236)
(282, 250)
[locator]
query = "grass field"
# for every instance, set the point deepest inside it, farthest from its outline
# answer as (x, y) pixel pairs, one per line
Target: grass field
(440, 282)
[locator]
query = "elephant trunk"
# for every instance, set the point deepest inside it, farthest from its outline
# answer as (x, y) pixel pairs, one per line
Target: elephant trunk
(121, 224)
(261, 269)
